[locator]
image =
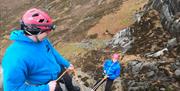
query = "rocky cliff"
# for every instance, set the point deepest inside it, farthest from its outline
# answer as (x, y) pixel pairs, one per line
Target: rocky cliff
(155, 38)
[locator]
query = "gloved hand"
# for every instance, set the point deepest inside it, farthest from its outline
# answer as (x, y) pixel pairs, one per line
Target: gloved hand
(52, 85)
(71, 67)
(104, 71)
(106, 76)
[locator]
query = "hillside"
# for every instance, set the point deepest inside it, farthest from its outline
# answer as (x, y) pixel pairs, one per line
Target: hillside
(71, 16)
(145, 33)
(75, 19)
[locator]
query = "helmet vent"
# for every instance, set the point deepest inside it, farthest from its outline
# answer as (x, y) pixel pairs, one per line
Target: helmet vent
(34, 15)
(41, 20)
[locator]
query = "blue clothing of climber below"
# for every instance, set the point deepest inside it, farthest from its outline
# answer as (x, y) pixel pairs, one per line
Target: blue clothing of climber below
(112, 70)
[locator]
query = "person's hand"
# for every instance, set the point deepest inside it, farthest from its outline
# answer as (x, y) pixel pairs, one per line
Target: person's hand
(71, 67)
(99, 66)
(52, 85)
(42, 36)
(105, 71)
(106, 76)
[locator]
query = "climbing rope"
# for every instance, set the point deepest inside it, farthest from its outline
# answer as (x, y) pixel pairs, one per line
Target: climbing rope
(99, 83)
(61, 75)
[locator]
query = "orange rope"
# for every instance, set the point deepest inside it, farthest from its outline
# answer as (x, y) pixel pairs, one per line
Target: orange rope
(95, 87)
(61, 75)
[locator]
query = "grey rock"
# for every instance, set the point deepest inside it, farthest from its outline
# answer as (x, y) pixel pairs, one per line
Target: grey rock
(155, 71)
(149, 66)
(157, 54)
(150, 74)
(138, 86)
(177, 63)
(136, 69)
(168, 9)
(131, 83)
(171, 43)
(144, 73)
(177, 73)
(133, 63)
(133, 89)
(138, 16)
(122, 39)
(162, 89)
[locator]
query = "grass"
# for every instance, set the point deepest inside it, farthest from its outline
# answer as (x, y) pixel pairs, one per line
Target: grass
(69, 49)
(117, 20)
(74, 49)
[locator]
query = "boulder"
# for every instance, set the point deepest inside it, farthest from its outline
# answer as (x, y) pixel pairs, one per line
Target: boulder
(177, 73)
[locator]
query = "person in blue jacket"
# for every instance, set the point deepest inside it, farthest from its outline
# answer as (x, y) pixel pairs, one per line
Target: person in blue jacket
(112, 69)
(31, 63)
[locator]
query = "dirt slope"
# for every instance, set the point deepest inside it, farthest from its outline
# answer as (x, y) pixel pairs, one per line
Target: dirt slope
(118, 20)
(76, 19)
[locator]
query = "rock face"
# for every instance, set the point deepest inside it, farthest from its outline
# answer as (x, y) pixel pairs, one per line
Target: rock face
(155, 37)
(122, 40)
(169, 11)
(151, 76)
(91, 70)
(144, 36)
(156, 23)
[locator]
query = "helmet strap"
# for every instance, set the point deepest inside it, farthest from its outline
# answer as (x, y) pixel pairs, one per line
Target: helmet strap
(27, 32)
(36, 36)
(37, 39)
(22, 25)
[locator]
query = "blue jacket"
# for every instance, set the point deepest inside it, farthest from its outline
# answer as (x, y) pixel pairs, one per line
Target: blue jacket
(28, 65)
(112, 69)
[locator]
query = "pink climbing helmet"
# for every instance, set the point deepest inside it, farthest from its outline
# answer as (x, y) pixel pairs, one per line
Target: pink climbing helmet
(35, 21)
(115, 56)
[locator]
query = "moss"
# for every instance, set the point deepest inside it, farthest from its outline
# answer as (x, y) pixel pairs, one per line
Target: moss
(86, 84)
(169, 88)
(84, 79)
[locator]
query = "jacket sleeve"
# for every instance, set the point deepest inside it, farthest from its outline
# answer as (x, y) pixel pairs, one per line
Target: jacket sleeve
(105, 66)
(116, 74)
(59, 58)
(15, 75)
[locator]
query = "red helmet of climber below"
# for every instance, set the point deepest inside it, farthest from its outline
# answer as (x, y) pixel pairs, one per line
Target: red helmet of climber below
(115, 57)
(35, 21)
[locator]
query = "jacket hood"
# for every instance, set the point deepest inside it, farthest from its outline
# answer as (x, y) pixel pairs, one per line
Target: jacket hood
(18, 35)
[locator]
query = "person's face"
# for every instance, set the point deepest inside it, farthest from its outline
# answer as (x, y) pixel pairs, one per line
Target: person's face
(39, 37)
(46, 32)
(42, 36)
(114, 60)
